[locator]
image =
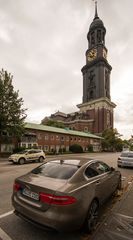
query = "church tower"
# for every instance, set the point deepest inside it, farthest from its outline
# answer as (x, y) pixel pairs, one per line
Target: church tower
(96, 79)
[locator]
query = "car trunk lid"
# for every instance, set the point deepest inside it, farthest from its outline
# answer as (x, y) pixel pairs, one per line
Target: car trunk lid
(37, 190)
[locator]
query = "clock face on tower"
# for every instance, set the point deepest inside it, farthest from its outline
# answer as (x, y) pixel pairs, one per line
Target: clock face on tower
(92, 54)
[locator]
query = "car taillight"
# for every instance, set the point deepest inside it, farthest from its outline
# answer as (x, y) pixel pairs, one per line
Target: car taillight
(16, 187)
(57, 200)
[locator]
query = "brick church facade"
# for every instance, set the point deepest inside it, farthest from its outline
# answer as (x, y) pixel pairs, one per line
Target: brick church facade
(95, 113)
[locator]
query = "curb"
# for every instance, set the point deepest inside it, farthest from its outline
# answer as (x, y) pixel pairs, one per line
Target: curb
(115, 208)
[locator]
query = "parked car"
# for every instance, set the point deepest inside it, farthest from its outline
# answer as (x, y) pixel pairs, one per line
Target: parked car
(27, 156)
(65, 194)
(125, 159)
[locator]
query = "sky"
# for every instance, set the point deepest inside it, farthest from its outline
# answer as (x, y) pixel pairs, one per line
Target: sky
(43, 45)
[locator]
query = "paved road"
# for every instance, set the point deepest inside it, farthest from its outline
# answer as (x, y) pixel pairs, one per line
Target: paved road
(11, 227)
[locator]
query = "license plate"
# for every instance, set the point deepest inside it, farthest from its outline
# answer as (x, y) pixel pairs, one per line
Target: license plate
(30, 194)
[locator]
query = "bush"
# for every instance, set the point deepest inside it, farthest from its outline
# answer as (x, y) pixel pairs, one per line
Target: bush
(76, 148)
(49, 153)
(90, 148)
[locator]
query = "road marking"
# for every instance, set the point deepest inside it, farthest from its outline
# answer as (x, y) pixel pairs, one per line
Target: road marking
(6, 214)
(3, 235)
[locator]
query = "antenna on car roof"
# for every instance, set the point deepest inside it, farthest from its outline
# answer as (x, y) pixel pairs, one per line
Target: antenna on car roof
(61, 161)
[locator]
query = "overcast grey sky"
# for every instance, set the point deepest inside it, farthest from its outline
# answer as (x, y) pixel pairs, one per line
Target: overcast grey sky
(43, 44)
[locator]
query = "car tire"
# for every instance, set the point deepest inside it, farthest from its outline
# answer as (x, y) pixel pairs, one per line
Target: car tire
(92, 215)
(21, 161)
(41, 159)
(119, 166)
(119, 187)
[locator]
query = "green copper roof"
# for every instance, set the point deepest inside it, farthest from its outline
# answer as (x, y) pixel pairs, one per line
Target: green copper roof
(60, 130)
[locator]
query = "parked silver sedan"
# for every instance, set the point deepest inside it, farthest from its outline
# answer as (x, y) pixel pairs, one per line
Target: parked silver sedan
(125, 159)
(65, 194)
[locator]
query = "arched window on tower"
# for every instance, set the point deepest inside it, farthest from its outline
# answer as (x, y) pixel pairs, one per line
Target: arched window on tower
(99, 36)
(91, 94)
(92, 38)
(106, 83)
(103, 40)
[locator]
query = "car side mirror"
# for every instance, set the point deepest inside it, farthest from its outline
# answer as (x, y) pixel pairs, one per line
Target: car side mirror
(112, 169)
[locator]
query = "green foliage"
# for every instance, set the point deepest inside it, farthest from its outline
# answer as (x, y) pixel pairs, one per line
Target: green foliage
(54, 123)
(131, 148)
(76, 148)
(90, 148)
(12, 114)
(19, 149)
(111, 141)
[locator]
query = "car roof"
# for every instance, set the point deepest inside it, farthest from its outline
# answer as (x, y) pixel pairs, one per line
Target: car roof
(76, 162)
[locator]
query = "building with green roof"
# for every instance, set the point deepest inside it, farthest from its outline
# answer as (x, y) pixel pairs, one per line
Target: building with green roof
(53, 139)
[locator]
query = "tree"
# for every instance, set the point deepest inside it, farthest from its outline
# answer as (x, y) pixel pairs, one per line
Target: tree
(76, 148)
(12, 113)
(54, 123)
(111, 140)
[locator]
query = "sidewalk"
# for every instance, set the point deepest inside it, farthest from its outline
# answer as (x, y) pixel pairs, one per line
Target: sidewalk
(118, 225)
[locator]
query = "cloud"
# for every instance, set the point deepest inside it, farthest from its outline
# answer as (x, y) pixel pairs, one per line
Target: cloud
(43, 44)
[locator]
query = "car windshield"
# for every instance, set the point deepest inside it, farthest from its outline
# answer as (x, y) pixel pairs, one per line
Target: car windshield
(56, 170)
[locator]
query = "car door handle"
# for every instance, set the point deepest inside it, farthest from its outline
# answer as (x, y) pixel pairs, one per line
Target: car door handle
(97, 182)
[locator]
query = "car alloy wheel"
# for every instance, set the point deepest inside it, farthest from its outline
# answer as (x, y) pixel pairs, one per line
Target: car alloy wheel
(92, 216)
(41, 159)
(21, 161)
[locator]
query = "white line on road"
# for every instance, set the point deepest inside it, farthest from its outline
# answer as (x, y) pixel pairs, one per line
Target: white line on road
(3, 235)
(6, 214)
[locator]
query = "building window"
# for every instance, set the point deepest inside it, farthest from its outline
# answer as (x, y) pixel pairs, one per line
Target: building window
(52, 137)
(29, 145)
(75, 139)
(92, 39)
(79, 139)
(39, 147)
(46, 137)
(71, 139)
(52, 148)
(7, 147)
(62, 138)
(39, 136)
(57, 137)
(23, 145)
(91, 94)
(46, 148)
(67, 138)
(86, 129)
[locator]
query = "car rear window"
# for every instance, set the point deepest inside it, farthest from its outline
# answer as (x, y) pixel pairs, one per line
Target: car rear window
(56, 170)
(124, 154)
(130, 155)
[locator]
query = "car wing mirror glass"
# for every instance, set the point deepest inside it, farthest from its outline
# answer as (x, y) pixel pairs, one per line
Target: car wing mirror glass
(112, 169)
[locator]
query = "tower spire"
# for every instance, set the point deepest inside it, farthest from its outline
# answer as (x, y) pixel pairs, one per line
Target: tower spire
(96, 14)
